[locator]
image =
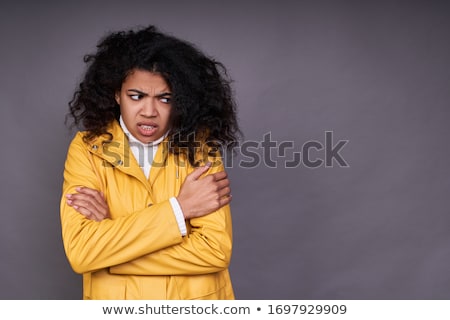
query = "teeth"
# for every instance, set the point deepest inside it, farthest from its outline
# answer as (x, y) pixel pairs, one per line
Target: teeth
(147, 127)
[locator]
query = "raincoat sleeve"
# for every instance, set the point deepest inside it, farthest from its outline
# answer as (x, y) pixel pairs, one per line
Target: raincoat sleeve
(91, 245)
(207, 248)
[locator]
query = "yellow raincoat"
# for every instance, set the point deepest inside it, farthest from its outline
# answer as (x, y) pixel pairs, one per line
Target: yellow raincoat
(139, 253)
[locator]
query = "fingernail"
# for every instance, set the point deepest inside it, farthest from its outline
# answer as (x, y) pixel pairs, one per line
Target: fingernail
(68, 196)
(208, 164)
(78, 188)
(75, 207)
(69, 202)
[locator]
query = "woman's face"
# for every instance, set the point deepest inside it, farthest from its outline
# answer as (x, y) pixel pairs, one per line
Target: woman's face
(144, 101)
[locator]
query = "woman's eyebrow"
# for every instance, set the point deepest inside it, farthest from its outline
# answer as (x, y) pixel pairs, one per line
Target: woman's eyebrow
(138, 92)
(163, 94)
(159, 95)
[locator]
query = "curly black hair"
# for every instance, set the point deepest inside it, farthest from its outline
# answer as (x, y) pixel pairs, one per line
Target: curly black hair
(202, 99)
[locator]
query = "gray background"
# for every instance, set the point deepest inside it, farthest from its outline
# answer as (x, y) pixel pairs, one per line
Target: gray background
(374, 73)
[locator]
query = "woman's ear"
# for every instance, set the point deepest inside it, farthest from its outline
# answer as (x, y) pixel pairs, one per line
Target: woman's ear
(117, 97)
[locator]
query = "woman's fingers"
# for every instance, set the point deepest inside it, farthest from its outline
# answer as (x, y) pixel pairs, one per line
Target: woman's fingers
(90, 203)
(96, 196)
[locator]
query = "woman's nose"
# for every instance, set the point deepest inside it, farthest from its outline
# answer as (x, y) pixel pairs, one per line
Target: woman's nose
(149, 108)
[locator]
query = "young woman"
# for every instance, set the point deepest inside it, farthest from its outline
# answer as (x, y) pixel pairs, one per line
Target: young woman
(145, 206)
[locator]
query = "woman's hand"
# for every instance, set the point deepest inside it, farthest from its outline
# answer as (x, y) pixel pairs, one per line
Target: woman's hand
(90, 203)
(200, 196)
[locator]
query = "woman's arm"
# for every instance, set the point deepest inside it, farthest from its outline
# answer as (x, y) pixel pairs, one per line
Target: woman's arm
(91, 245)
(207, 248)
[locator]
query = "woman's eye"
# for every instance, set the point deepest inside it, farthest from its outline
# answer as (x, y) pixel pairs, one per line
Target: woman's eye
(136, 97)
(165, 100)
